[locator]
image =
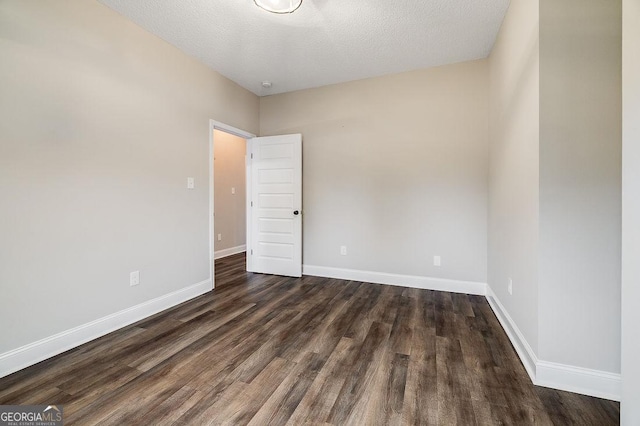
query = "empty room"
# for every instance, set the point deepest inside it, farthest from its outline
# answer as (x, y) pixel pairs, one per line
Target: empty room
(327, 212)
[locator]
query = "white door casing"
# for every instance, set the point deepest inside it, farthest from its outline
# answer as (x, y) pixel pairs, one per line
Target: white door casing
(274, 233)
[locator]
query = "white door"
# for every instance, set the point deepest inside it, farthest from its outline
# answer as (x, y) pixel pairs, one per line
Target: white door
(275, 224)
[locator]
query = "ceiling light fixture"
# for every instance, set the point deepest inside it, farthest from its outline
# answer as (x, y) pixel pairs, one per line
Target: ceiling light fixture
(278, 6)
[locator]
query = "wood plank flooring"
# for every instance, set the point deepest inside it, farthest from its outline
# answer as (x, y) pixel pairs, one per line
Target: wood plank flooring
(263, 349)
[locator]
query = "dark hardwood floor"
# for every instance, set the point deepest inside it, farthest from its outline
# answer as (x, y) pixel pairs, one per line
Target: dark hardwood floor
(264, 349)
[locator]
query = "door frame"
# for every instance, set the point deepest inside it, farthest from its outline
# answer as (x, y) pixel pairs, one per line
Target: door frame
(247, 136)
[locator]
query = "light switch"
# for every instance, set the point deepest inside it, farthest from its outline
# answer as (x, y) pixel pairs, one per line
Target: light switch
(191, 183)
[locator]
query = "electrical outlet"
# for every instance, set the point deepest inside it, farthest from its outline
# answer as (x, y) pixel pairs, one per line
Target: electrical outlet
(134, 278)
(436, 261)
(343, 250)
(233, 190)
(510, 286)
(191, 183)
(219, 237)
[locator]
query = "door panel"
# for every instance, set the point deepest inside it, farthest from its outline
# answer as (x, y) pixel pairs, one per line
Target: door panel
(276, 196)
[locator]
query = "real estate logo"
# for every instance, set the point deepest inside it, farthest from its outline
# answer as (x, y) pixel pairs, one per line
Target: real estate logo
(31, 415)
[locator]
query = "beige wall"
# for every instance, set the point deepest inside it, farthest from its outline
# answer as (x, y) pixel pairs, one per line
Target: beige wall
(101, 125)
(630, 409)
(229, 172)
(580, 183)
(554, 215)
(513, 182)
(394, 168)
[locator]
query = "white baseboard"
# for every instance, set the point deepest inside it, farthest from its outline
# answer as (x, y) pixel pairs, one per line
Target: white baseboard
(413, 281)
(584, 381)
(230, 251)
(600, 384)
(35, 352)
(522, 347)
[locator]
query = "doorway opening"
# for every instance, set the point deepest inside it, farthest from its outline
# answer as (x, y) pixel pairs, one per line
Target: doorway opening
(268, 202)
(228, 193)
(230, 213)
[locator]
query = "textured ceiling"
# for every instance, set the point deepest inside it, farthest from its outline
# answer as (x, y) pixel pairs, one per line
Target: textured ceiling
(323, 42)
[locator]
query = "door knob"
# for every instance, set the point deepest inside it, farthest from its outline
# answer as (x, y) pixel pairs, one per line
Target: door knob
(296, 212)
